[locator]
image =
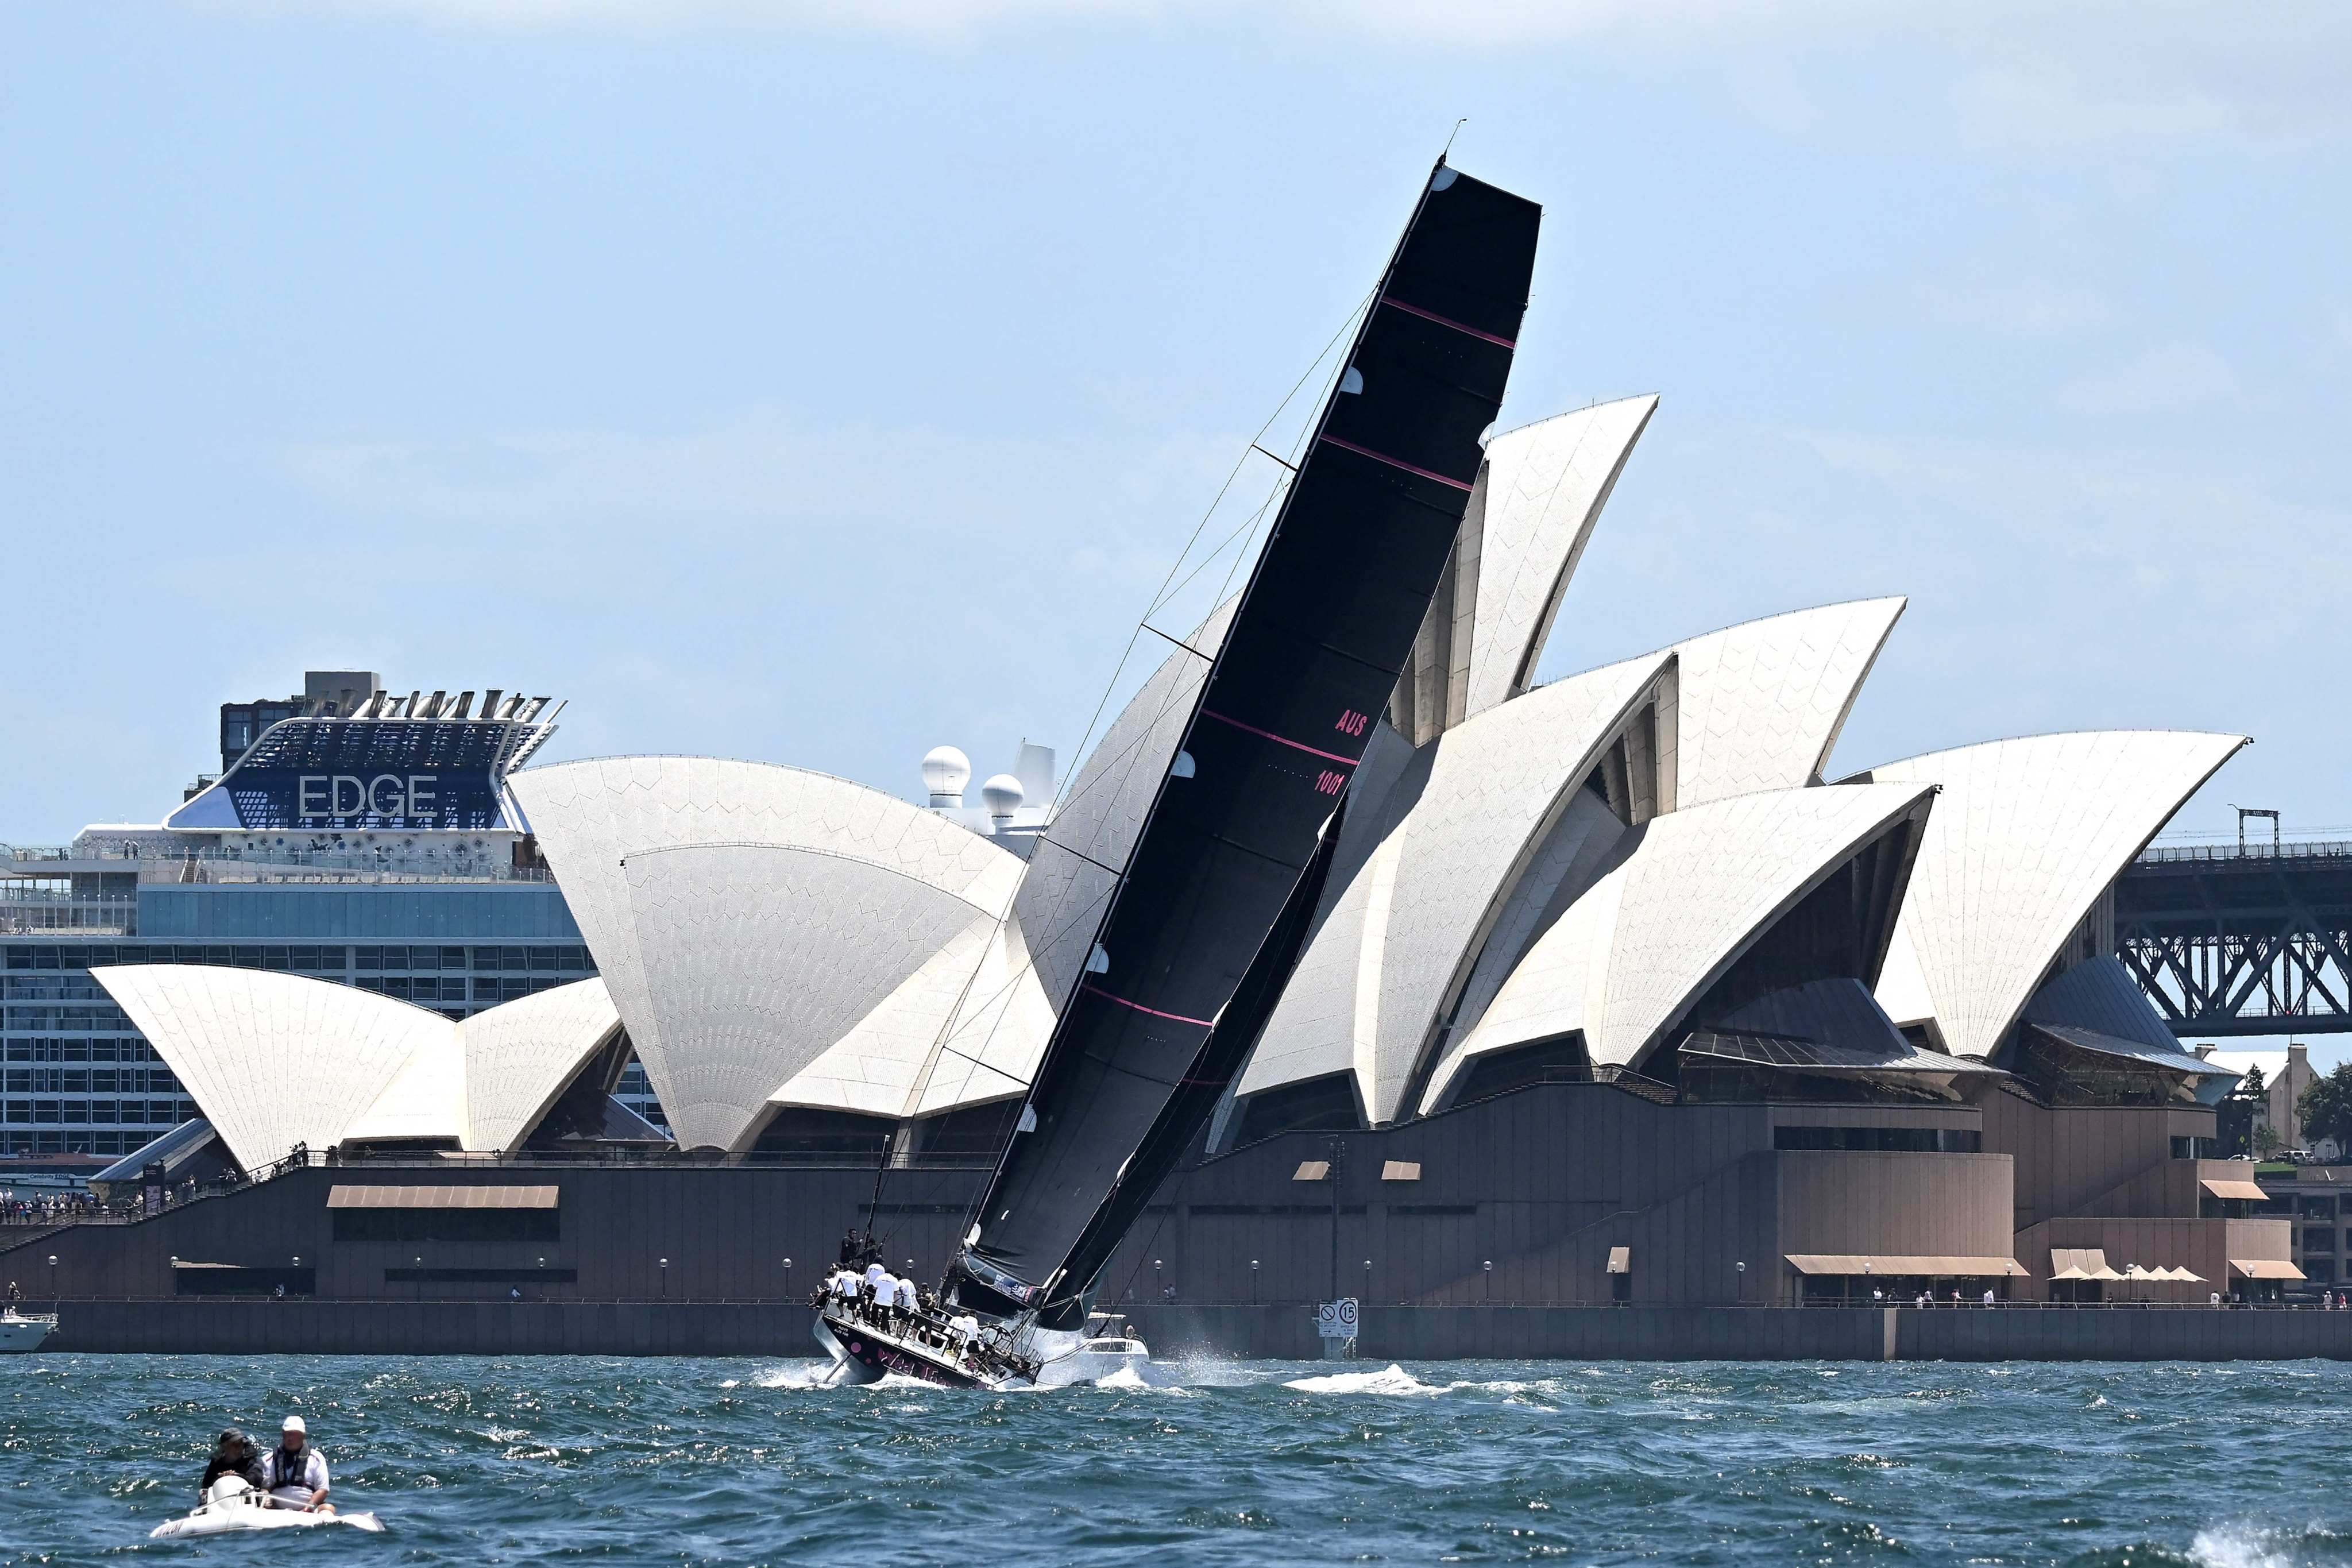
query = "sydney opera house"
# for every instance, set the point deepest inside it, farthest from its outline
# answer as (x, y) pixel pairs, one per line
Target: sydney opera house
(1621, 990)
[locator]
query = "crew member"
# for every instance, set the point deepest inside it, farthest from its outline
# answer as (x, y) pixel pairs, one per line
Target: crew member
(882, 1290)
(295, 1475)
(904, 1297)
(234, 1455)
(843, 1285)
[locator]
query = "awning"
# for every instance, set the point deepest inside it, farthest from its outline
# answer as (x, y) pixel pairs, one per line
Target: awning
(1401, 1171)
(2080, 1263)
(1311, 1171)
(1899, 1266)
(2235, 1187)
(2265, 1269)
(1621, 1260)
(422, 1197)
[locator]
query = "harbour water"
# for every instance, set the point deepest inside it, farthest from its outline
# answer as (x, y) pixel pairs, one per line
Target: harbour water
(1255, 1463)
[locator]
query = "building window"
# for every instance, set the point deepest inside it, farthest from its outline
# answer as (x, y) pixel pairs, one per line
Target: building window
(1882, 1140)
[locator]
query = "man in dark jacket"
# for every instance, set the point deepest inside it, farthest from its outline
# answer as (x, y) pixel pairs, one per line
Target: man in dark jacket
(232, 1456)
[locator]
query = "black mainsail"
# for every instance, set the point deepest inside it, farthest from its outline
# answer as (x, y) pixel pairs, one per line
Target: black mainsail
(1205, 927)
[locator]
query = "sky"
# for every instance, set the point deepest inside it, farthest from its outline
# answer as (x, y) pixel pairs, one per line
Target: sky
(818, 383)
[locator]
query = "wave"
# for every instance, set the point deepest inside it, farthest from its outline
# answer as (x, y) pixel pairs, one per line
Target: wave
(1392, 1379)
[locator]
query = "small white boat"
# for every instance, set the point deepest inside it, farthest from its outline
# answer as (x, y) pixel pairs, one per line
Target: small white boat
(1106, 1348)
(19, 1333)
(234, 1504)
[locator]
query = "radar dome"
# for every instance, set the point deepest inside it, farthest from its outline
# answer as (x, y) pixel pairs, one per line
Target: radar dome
(945, 772)
(1002, 795)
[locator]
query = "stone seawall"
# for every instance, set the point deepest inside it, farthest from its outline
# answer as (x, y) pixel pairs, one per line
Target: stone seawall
(1280, 1332)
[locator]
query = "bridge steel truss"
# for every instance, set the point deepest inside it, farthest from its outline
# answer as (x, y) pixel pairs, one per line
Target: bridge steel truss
(2230, 940)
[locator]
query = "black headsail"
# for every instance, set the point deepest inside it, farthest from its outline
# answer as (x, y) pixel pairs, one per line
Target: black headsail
(1202, 931)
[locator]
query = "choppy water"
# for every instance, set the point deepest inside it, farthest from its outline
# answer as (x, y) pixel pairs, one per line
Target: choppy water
(741, 1462)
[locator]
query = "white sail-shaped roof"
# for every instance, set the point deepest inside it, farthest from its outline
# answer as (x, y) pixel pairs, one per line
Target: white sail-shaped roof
(1761, 703)
(273, 1060)
(1400, 936)
(1629, 958)
(966, 1027)
(520, 1055)
(884, 857)
(2026, 836)
(763, 956)
(1543, 486)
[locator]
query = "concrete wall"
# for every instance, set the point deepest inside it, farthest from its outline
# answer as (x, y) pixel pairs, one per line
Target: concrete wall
(725, 1230)
(2072, 1160)
(1387, 1333)
(1543, 1183)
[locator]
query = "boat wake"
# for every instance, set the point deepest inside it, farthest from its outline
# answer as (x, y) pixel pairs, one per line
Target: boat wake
(795, 1374)
(1393, 1379)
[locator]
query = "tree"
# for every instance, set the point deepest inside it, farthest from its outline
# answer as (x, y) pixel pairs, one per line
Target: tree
(2252, 1086)
(2327, 1108)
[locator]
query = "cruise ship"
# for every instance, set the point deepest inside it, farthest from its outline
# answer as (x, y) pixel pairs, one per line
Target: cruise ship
(351, 833)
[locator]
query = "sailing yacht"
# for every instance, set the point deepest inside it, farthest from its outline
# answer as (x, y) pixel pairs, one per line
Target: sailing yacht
(1205, 918)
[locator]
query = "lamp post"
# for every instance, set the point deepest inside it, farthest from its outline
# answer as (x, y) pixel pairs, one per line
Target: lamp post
(1158, 1290)
(420, 1278)
(1739, 1273)
(1490, 1281)
(53, 1277)
(1253, 1281)
(1337, 1151)
(665, 1279)
(1367, 1279)
(788, 1278)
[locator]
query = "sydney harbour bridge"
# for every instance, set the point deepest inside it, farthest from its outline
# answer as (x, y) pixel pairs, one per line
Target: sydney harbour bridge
(2244, 938)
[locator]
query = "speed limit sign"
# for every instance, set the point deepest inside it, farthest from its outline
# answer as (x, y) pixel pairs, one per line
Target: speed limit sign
(1337, 1319)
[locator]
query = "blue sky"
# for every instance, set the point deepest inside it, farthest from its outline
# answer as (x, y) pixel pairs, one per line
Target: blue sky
(818, 384)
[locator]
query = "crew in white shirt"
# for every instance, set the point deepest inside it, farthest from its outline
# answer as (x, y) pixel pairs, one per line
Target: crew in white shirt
(886, 1291)
(905, 1296)
(294, 1474)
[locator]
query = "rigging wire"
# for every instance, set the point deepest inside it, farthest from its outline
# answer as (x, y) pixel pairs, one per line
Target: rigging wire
(1001, 998)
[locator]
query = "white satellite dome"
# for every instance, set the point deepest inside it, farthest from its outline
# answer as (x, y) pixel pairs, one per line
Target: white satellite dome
(946, 771)
(1003, 796)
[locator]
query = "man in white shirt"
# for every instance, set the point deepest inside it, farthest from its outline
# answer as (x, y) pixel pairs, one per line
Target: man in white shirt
(904, 1297)
(875, 1273)
(295, 1475)
(886, 1291)
(843, 1284)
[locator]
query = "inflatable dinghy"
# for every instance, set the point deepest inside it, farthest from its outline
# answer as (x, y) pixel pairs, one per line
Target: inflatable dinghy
(233, 1505)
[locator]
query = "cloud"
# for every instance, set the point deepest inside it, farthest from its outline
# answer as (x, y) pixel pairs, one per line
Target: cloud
(2173, 379)
(2024, 72)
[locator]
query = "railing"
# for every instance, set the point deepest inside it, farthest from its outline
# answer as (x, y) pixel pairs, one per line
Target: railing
(24, 911)
(221, 863)
(2291, 849)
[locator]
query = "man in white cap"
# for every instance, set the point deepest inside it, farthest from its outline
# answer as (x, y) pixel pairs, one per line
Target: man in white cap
(294, 1474)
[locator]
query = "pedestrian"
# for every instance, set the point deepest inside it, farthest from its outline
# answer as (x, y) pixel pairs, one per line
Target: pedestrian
(1988, 1295)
